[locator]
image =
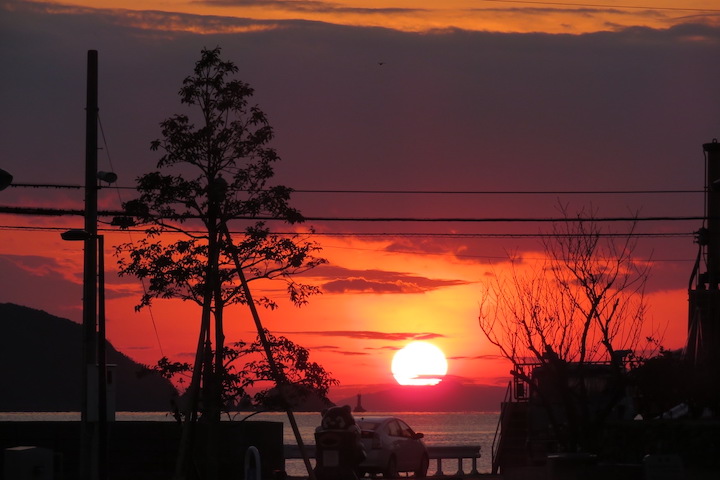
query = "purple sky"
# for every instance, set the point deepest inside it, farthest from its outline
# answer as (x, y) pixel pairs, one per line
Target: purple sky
(377, 109)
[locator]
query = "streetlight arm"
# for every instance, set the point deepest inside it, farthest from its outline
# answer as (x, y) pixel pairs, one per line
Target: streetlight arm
(5, 179)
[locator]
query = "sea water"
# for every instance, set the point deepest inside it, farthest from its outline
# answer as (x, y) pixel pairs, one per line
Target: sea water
(439, 429)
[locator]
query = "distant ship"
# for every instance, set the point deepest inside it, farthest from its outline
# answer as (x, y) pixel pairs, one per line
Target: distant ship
(359, 408)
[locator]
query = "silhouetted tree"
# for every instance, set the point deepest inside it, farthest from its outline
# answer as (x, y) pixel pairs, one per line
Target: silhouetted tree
(583, 303)
(246, 366)
(214, 170)
(303, 377)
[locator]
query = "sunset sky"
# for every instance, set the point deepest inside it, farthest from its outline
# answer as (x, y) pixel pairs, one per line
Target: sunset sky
(425, 110)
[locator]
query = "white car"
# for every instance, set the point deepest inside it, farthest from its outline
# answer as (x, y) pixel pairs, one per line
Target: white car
(391, 447)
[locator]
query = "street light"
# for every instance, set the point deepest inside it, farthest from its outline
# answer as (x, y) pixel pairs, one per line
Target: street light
(107, 177)
(94, 317)
(102, 412)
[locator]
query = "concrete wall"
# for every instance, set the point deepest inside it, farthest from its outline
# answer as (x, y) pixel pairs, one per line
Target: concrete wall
(147, 450)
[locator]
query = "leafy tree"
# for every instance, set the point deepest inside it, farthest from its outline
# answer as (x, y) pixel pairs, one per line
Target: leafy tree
(215, 169)
(246, 367)
(569, 324)
(302, 376)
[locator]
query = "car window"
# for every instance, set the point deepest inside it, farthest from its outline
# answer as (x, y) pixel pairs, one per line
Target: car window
(367, 425)
(394, 429)
(405, 430)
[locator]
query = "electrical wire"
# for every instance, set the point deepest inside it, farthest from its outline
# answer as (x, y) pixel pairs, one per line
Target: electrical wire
(40, 211)
(671, 235)
(44, 185)
(142, 280)
(391, 234)
(421, 192)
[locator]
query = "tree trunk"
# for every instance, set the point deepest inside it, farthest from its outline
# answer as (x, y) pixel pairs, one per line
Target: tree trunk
(211, 408)
(182, 464)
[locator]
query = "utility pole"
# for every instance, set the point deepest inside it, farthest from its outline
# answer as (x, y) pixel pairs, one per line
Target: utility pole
(703, 348)
(89, 414)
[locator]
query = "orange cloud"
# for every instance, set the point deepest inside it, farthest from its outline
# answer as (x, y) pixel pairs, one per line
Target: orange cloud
(226, 16)
(372, 335)
(343, 280)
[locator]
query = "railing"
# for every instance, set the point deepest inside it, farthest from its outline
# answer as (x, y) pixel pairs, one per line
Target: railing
(498, 432)
(437, 453)
(458, 453)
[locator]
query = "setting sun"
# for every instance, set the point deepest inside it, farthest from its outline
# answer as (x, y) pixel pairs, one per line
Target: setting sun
(419, 363)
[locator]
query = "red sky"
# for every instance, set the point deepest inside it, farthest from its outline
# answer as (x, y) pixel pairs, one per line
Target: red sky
(499, 97)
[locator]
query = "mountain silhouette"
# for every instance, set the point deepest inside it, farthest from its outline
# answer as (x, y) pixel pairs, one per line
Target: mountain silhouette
(447, 396)
(41, 367)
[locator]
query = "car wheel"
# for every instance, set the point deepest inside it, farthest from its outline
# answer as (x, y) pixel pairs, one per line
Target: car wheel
(421, 472)
(391, 469)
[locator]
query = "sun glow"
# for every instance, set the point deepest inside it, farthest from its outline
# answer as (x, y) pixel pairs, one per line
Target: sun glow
(419, 363)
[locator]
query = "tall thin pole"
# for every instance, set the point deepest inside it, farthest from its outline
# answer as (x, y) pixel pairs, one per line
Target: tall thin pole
(280, 379)
(102, 366)
(89, 401)
(712, 195)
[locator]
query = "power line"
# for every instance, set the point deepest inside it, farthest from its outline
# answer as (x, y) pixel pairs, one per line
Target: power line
(493, 235)
(388, 234)
(45, 185)
(142, 280)
(41, 211)
(420, 192)
(496, 219)
(498, 192)
(471, 236)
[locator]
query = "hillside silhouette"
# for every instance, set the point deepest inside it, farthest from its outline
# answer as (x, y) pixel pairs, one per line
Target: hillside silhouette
(41, 367)
(447, 396)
